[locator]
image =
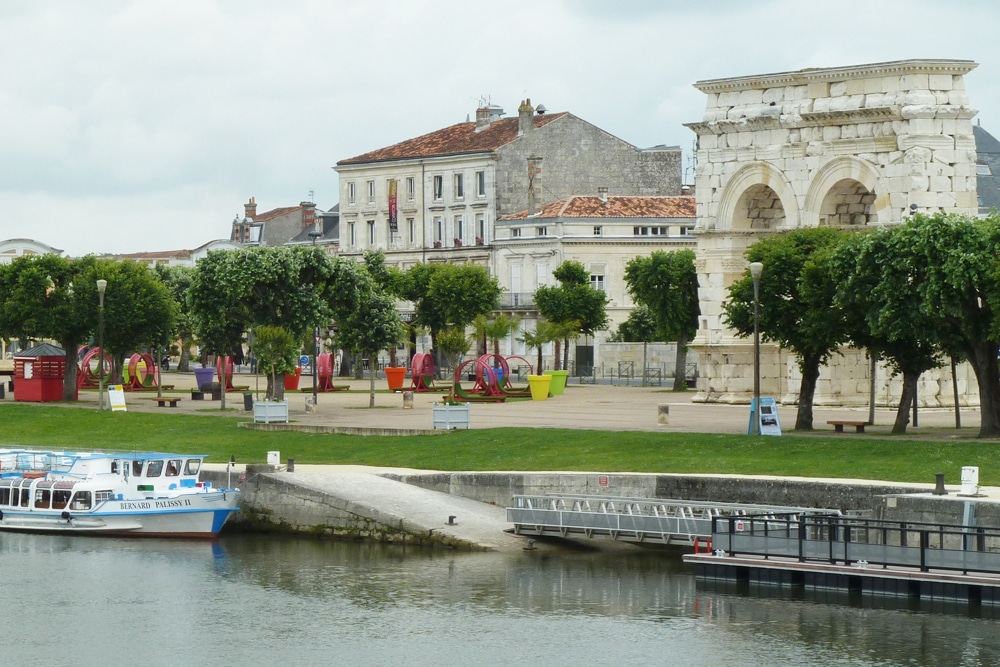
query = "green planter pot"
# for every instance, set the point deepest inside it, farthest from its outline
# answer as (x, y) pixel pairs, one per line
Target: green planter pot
(558, 381)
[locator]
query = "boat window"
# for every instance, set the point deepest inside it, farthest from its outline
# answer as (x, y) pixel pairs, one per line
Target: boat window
(173, 467)
(5, 496)
(192, 466)
(102, 496)
(114, 467)
(42, 498)
(154, 469)
(25, 497)
(60, 499)
(137, 468)
(81, 500)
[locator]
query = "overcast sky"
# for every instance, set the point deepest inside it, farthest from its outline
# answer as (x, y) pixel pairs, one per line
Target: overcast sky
(131, 125)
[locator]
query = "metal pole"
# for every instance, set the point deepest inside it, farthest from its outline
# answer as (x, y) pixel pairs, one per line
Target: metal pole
(101, 286)
(756, 268)
(315, 234)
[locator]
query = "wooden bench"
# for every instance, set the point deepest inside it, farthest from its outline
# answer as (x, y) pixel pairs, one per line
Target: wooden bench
(839, 424)
(162, 401)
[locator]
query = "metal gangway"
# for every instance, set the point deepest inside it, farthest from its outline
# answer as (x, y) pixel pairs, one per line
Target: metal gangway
(658, 521)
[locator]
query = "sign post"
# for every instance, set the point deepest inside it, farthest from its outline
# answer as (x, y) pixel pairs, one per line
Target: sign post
(766, 417)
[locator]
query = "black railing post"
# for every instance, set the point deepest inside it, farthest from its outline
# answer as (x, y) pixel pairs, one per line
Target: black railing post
(802, 539)
(925, 542)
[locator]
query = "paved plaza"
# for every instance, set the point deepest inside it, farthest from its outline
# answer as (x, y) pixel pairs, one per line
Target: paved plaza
(595, 407)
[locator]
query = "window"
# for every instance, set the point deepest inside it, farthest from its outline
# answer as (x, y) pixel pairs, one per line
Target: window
(353, 235)
(541, 231)
(597, 282)
(411, 230)
(438, 188)
(515, 233)
(81, 501)
(983, 170)
(459, 186)
(598, 231)
(352, 193)
(411, 190)
(480, 228)
(686, 231)
(371, 192)
(371, 232)
(173, 467)
(154, 469)
(459, 228)
(438, 228)
(480, 183)
(650, 231)
(192, 466)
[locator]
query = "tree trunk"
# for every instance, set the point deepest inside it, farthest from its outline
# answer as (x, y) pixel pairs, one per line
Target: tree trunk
(810, 375)
(905, 402)
(983, 357)
(680, 364)
(184, 363)
(69, 382)
(279, 387)
(558, 354)
(538, 368)
(345, 364)
(565, 364)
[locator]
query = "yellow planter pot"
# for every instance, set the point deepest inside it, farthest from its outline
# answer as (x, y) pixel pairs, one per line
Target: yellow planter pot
(539, 385)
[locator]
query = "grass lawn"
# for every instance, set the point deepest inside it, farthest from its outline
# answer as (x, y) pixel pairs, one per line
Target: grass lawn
(882, 458)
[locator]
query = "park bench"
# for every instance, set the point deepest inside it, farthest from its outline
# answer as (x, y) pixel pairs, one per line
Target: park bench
(163, 401)
(839, 424)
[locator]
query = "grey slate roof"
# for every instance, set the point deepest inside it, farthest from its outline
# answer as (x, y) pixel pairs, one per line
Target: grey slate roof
(987, 186)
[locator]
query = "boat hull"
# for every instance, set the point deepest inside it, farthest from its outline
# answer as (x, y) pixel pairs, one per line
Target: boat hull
(194, 515)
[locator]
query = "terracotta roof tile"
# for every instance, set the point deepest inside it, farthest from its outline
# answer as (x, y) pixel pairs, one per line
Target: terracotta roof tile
(455, 140)
(616, 206)
(275, 213)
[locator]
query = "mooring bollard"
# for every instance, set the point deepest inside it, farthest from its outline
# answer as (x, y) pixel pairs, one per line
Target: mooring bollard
(663, 415)
(939, 489)
(291, 465)
(407, 400)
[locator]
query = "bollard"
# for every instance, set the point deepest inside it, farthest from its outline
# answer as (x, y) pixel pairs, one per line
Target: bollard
(663, 415)
(939, 490)
(407, 400)
(291, 465)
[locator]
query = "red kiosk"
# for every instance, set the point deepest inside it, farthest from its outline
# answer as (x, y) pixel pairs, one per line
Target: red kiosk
(39, 373)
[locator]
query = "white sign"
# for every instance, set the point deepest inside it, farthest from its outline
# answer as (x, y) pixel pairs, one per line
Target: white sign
(116, 397)
(767, 417)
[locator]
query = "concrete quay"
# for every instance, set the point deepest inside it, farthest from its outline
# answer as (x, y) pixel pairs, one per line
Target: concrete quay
(466, 510)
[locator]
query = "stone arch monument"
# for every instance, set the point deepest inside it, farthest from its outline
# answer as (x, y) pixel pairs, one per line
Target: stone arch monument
(851, 147)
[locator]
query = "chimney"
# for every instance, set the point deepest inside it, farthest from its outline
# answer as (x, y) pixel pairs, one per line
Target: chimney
(524, 118)
(602, 194)
(308, 214)
(250, 208)
(534, 181)
(483, 118)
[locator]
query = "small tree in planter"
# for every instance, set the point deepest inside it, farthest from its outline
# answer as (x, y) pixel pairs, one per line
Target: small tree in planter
(276, 350)
(453, 344)
(545, 332)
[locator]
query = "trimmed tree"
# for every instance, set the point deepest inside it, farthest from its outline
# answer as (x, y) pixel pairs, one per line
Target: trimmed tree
(574, 304)
(797, 308)
(667, 284)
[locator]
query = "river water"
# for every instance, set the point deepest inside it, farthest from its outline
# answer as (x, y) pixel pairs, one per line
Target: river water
(251, 600)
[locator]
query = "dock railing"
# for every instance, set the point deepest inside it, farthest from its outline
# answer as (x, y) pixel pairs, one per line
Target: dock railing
(859, 541)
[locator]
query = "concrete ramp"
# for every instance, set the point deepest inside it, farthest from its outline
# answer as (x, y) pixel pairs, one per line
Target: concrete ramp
(364, 505)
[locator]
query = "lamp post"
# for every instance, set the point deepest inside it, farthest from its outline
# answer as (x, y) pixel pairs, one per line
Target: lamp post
(314, 235)
(756, 268)
(101, 286)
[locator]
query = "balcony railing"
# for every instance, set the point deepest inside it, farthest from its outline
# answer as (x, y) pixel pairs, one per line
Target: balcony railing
(517, 301)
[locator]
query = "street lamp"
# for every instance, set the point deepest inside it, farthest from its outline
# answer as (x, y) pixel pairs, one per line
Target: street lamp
(756, 268)
(101, 286)
(314, 235)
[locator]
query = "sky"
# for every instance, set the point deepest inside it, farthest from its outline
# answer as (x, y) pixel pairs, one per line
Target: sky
(145, 125)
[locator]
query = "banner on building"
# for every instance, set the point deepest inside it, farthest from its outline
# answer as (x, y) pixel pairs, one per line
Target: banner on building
(392, 206)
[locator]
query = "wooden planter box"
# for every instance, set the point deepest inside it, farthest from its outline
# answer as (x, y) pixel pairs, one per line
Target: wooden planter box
(451, 416)
(270, 411)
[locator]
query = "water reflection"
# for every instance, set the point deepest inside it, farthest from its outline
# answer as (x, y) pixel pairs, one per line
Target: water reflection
(262, 601)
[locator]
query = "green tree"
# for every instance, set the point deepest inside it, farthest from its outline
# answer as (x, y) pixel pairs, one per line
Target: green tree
(276, 349)
(544, 333)
(178, 280)
(639, 327)
(496, 328)
(573, 301)
(139, 312)
(883, 311)
(46, 296)
(295, 288)
(797, 309)
(373, 326)
(449, 296)
(454, 345)
(667, 284)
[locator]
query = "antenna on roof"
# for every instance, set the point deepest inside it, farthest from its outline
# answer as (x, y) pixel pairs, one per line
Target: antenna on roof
(311, 194)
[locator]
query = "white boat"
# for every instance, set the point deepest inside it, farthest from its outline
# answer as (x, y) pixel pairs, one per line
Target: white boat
(134, 493)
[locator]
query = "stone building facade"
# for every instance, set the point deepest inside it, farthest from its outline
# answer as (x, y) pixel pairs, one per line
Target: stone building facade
(851, 147)
(438, 197)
